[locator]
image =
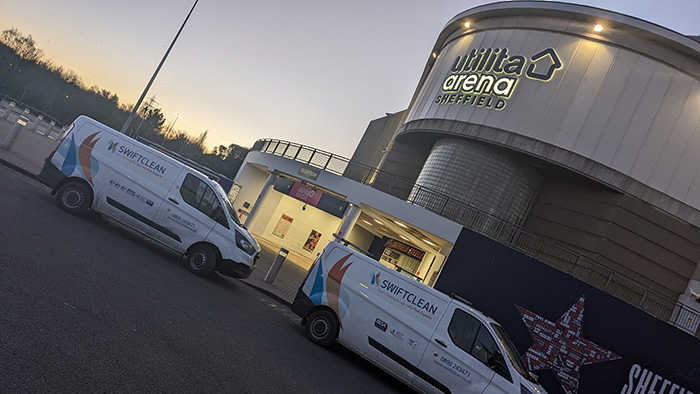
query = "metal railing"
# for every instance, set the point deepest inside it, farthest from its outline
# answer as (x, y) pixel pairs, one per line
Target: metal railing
(507, 233)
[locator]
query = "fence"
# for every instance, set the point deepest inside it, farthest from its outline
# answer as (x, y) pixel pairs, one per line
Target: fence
(510, 234)
(38, 123)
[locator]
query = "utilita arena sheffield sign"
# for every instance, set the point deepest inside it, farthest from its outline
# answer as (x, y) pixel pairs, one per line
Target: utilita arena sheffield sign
(488, 77)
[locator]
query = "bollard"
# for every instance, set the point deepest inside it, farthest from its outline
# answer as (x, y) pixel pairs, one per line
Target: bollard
(37, 122)
(48, 129)
(16, 129)
(9, 110)
(276, 265)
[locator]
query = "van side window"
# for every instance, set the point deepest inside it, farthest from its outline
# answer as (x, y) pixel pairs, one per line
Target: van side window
(474, 338)
(199, 195)
(463, 329)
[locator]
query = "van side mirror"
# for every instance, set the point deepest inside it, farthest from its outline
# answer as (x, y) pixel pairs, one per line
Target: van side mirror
(498, 364)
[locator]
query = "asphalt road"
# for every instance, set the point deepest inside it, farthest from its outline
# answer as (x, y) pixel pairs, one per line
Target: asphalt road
(88, 306)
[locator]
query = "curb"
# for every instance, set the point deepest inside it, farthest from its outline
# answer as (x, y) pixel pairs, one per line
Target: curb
(269, 294)
(18, 168)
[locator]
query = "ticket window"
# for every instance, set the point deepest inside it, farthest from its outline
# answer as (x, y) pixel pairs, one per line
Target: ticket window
(406, 264)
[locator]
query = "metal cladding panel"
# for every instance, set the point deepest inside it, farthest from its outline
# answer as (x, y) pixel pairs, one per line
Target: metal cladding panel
(627, 103)
(616, 107)
(662, 131)
(641, 122)
(680, 170)
(586, 95)
(603, 105)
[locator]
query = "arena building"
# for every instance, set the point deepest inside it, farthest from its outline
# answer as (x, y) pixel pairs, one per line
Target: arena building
(567, 133)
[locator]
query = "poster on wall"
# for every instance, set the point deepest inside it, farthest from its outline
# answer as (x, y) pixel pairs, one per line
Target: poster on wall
(312, 241)
(283, 226)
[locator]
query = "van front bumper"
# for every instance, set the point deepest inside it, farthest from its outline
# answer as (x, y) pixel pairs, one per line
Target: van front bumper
(234, 269)
(302, 304)
(50, 175)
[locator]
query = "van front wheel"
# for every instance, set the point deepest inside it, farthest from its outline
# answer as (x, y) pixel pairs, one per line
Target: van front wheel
(201, 260)
(322, 327)
(74, 197)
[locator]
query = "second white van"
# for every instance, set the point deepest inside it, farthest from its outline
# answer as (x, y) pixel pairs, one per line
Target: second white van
(431, 341)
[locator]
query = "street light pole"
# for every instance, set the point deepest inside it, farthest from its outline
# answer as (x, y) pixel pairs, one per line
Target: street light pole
(148, 86)
(177, 116)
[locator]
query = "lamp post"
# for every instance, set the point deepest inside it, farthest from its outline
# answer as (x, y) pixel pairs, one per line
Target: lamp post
(148, 86)
(167, 133)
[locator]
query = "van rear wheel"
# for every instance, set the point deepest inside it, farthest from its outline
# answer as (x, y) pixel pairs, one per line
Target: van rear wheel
(74, 197)
(201, 259)
(322, 327)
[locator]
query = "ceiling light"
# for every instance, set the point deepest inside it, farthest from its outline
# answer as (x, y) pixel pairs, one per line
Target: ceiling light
(400, 224)
(467, 24)
(429, 243)
(378, 222)
(402, 237)
(367, 222)
(434, 55)
(598, 28)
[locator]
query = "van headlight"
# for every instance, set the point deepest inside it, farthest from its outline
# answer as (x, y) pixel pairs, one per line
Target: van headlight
(243, 243)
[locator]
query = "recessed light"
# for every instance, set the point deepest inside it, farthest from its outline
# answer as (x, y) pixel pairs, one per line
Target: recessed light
(598, 28)
(400, 224)
(467, 24)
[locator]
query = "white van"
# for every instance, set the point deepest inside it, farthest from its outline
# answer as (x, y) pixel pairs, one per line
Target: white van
(96, 167)
(433, 342)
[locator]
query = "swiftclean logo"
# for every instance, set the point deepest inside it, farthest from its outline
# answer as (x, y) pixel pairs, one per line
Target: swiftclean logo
(112, 146)
(488, 77)
(375, 279)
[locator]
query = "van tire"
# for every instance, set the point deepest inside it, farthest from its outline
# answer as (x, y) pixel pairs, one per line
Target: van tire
(201, 259)
(322, 327)
(74, 197)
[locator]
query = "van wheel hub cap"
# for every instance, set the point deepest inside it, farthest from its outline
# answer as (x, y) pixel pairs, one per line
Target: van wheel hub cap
(72, 198)
(198, 260)
(320, 328)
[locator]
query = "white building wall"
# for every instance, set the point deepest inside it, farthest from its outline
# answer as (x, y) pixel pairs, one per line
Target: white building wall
(304, 220)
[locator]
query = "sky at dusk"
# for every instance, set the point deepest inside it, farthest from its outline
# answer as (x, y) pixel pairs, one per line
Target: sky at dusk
(308, 71)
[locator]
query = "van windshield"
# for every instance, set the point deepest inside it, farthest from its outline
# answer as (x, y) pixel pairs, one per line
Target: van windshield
(227, 204)
(511, 352)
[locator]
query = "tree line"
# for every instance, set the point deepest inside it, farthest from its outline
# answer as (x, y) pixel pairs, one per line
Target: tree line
(59, 94)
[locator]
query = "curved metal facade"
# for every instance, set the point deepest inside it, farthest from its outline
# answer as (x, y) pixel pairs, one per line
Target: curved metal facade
(489, 179)
(580, 101)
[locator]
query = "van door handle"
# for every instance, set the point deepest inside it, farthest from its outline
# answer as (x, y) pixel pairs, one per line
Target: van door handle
(174, 201)
(440, 342)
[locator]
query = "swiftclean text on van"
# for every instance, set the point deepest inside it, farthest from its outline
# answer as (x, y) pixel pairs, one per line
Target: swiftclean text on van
(128, 153)
(409, 296)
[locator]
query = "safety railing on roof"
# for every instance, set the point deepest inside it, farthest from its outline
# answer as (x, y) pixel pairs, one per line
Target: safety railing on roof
(510, 234)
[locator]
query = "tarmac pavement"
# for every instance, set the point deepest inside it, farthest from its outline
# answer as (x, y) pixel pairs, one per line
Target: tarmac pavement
(31, 148)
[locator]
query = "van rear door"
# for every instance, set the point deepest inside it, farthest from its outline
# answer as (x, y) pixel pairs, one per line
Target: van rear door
(456, 357)
(185, 216)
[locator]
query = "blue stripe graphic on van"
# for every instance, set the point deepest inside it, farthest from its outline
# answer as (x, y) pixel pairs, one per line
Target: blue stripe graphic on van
(316, 294)
(142, 219)
(70, 157)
